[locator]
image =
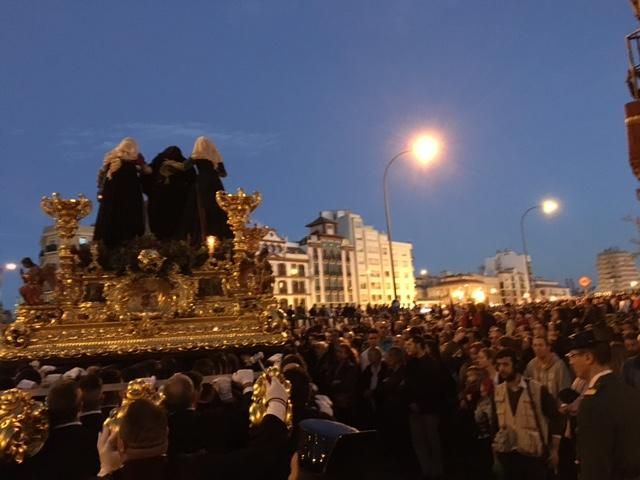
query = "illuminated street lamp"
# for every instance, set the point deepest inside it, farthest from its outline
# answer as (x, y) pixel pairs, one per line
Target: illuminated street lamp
(423, 272)
(633, 283)
(7, 267)
(548, 206)
(425, 149)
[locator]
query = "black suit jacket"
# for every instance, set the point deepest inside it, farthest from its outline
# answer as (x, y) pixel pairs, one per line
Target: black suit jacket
(93, 422)
(609, 431)
(70, 453)
(186, 432)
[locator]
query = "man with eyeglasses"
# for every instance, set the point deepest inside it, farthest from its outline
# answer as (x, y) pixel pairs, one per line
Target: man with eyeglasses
(608, 433)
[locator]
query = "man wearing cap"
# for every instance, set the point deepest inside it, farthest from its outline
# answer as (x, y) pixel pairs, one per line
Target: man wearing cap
(608, 434)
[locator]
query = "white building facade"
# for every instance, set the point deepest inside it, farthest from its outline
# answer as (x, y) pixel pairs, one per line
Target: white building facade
(332, 261)
(50, 242)
(374, 283)
(291, 270)
(617, 270)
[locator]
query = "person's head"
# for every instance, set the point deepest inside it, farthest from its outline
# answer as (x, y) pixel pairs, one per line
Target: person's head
(631, 343)
(63, 402)
(344, 353)
(486, 358)
(373, 339)
(495, 334)
(179, 393)
(374, 355)
(144, 431)
(541, 348)
(415, 346)
(584, 361)
(196, 379)
(27, 262)
(293, 360)
(473, 375)
(394, 357)
(539, 330)
(474, 350)
(486, 387)
(301, 391)
(506, 363)
(91, 388)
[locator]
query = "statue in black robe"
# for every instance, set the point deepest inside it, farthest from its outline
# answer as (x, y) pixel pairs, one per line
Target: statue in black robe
(121, 212)
(167, 189)
(203, 216)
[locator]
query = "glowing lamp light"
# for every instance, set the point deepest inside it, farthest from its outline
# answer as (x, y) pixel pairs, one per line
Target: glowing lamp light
(10, 266)
(211, 244)
(426, 148)
(550, 206)
(633, 284)
(458, 294)
(479, 296)
(423, 272)
(294, 271)
(553, 298)
(493, 291)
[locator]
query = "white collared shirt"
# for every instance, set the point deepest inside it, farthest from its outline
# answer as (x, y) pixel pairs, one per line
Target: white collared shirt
(597, 376)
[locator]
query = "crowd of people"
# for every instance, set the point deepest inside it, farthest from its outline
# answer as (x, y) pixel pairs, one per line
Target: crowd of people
(535, 391)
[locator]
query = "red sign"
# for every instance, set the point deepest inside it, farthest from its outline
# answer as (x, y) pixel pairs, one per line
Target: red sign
(584, 282)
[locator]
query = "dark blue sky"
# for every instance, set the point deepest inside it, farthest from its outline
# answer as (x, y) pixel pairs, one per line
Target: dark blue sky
(308, 101)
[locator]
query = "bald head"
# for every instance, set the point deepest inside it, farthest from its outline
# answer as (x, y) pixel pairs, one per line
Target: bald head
(179, 393)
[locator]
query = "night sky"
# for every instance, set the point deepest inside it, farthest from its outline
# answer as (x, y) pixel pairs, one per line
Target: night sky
(307, 101)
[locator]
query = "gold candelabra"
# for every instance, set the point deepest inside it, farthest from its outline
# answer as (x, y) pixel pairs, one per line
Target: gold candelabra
(67, 214)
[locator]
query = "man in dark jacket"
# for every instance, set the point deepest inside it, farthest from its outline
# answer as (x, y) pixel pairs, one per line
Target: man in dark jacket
(70, 450)
(608, 438)
(424, 392)
(91, 415)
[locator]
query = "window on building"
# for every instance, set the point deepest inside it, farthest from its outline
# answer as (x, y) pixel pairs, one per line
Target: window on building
(301, 271)
(282, 270)
(282, 288)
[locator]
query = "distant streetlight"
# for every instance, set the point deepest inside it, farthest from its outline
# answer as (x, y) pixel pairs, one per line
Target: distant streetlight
(8, 267)
(549, 206)
(425, 149)
(633, 283)
(423, 272)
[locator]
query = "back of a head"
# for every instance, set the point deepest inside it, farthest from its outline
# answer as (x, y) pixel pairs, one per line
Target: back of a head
(196, 378)
(144, 426)
(179, 392)
(63, 402)
(300, 386)
(91, 387)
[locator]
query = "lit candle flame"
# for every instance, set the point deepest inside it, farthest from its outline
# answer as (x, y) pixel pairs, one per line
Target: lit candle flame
(211, 244)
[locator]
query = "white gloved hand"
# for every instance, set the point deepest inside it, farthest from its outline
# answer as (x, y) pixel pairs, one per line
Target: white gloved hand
(276, 397)
(244, 377)
(74, 373)
(223, 387)
(324, 404)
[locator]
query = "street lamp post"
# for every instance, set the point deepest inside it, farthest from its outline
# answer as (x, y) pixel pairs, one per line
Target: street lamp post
(7, 267)
(548, 207)
(425, 149)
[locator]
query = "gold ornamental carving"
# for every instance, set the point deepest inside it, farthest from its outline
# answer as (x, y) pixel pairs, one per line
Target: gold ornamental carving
(259, 400)
(156, 306)
(24, 426)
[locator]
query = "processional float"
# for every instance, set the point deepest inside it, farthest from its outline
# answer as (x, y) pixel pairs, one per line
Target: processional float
(226, 301)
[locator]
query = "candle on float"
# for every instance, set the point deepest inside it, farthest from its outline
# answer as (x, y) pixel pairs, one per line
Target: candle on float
(211, 244)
